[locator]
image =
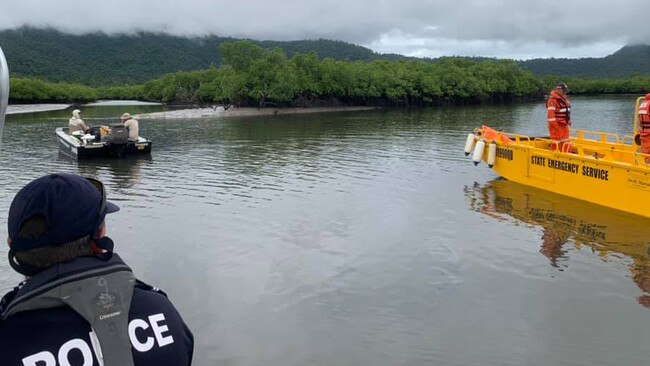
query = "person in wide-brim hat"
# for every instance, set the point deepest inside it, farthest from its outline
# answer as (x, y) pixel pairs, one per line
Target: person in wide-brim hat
(132, 126)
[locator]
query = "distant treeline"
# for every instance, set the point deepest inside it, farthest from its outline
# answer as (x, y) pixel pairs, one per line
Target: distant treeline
(24, 90)
(628, 85)
(253, 76)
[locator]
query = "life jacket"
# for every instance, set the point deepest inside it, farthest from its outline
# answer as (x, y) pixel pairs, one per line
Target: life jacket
(563, 113)
(99, 289)
(644, 116)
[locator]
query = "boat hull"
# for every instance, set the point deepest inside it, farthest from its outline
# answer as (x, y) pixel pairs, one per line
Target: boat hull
(611, 177)
(72, 147)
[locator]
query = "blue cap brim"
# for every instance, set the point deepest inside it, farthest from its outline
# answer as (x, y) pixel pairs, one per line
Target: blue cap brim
(111, 207)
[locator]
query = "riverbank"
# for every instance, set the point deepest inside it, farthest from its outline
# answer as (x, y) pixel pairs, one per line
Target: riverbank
(243, 112)
(33, 108)
(45, 107)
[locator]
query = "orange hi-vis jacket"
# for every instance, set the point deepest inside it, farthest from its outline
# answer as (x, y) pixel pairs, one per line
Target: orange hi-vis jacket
(644, 127)
(644, 118)
(558, 109)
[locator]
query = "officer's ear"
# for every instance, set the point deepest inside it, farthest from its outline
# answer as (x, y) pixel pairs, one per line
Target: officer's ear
(101, 232)
(8, 241)
(102, 243)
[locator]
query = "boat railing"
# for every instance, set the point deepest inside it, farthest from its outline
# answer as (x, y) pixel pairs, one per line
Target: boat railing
(591, 151)
(630, 157)
(586, 135)
(598, 136)
(517, 138)
(552, 144)
(627, 140)
(627, 156)
(640, 159)
(505, 137)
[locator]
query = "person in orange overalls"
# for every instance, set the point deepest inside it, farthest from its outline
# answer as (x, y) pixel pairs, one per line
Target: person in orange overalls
(559, 116)
(644, 126)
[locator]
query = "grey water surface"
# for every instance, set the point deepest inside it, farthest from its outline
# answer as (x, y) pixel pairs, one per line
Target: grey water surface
(363, 238)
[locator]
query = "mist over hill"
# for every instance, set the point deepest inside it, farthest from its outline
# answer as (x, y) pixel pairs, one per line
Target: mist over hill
(101, 59)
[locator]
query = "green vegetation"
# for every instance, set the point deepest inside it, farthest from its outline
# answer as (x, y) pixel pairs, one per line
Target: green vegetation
(253, 76)
(34, 90)
(629, 85)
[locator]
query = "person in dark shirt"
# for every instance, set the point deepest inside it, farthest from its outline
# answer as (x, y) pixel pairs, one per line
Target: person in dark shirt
(80, 303)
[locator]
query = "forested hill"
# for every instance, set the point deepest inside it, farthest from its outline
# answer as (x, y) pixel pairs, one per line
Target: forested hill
(628, 61)
(99, 59)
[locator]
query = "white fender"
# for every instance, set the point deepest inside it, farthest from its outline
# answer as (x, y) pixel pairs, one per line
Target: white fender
(4, 90)
(492, 154)
(478, 152)
(469, 144)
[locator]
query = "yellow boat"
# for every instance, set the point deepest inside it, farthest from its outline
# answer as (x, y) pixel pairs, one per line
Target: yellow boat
(614, 236)
(602, 168)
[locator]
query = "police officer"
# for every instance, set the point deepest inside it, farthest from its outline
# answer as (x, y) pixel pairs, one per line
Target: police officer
(80, 303)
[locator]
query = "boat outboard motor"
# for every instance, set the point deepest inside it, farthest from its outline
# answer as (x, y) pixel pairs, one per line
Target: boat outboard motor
(4, 91)
(117, 136)
(95, 131)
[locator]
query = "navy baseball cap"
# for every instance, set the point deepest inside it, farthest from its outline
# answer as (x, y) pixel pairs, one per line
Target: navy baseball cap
(72, 206)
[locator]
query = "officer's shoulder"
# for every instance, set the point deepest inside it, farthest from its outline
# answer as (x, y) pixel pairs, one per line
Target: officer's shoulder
(148, 299)
(140, 285)
(151, 301)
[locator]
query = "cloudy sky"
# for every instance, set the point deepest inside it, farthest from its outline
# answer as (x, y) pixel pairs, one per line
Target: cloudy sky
(519, 29)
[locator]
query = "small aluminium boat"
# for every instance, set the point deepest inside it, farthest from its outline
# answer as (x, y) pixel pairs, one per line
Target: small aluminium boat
(602, 168)
(113, 143)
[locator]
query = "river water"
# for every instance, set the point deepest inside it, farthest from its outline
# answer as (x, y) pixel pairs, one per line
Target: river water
(363, 238)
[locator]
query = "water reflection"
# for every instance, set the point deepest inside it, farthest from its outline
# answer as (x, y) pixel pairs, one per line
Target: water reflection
(124, 173)
(341, 231)
(568, 223)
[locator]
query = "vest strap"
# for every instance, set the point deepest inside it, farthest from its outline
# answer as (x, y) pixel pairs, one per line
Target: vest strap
(102, 297)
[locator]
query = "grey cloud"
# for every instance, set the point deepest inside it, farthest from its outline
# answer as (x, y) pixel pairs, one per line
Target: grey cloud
(505, 24)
